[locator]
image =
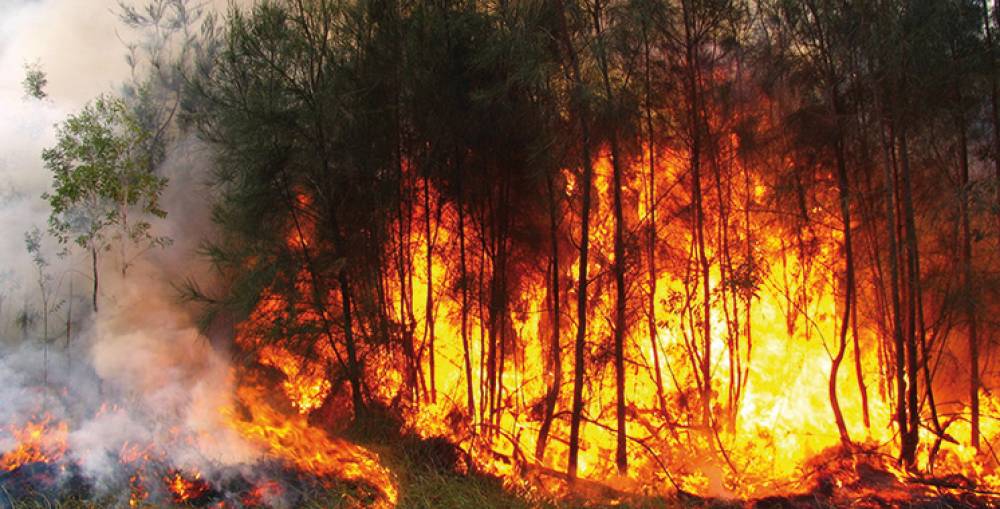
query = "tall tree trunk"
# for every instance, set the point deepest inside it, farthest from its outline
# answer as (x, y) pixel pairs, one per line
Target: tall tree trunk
(695, 127)
(353, 368)
(651, 232)
(894, 299)
(970, 301)
(621, 450)
(579, 345)
(93, 267)
(493, 334)
(581, 110)
(845, 214)
(555, 353)
(994, 94)
(913, 275)
(858, 368)
(483, 320)
(69, 327)
(464, 274)
(429, 312)
(403, 270)
(748, 310)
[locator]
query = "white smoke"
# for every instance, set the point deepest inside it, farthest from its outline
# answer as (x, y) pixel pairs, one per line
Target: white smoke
(139, 371)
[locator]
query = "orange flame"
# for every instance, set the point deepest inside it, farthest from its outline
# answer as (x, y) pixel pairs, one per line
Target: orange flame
(38, 441)
(293, 440)
(184, 488)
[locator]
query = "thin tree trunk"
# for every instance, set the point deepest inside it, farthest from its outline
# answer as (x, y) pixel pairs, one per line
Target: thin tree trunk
(354, 373)
(69, 327)
(913, 437)
(93, 266)
(555, 354)
(621, 450)
(970, 302)
(482, 313)
(858, 371)
(319, 302)
(651, 236)
(405, 270)
(695, 126)
(429, 312)
(897, 326)
(579, 346)
(845, 213)
(994, 94)
(467, 358)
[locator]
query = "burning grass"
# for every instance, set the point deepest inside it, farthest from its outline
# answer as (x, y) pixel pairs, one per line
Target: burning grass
(435, 474)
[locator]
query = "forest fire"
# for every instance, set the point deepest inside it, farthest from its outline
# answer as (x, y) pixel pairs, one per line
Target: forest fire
(770, 421)
(735, 254)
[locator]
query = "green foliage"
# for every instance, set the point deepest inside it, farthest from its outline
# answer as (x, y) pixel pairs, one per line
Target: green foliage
(100, 176)
(33, 243)
(34, 81)
(44, 279)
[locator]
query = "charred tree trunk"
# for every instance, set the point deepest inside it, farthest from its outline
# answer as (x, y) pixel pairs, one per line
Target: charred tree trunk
(581, 111)
(695, 128)
(353, 368)
(499, 308)
(621, 450)
(482, 313)
(651, 231)
(319, 302)
(621, 454)
(464, 285)
(579, 346)
(858, 368)
(404, 269)
(555, 353)
(894, 298)
(429, 312)
(845, 214)
(491, 325)
(912, 438)
(967, 273)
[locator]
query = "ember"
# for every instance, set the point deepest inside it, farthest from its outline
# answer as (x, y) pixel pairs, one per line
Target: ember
(185, 489)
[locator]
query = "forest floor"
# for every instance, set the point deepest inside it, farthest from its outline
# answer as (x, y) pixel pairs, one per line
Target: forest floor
(433, 474)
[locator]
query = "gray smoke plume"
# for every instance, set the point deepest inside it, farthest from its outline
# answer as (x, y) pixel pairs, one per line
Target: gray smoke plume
(139, 372)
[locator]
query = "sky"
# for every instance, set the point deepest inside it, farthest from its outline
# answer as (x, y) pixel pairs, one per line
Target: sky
(76, 43)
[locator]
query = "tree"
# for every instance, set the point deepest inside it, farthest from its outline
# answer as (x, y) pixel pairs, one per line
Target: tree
(47, 288)
(34, 81)
(103, 188)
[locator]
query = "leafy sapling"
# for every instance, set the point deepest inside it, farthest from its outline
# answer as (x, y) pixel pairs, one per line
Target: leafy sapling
(104, 190)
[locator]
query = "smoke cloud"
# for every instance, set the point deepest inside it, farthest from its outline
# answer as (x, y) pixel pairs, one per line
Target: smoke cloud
(139, 372)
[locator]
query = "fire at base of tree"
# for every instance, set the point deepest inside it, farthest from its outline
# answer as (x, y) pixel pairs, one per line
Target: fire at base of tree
(525, 254)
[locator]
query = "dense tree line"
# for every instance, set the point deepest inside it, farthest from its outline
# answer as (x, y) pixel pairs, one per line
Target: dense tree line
(408, 184)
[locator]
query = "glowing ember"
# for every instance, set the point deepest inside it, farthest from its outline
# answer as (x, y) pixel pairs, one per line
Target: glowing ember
(137, 491)
(262, 493)
(184, 488)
